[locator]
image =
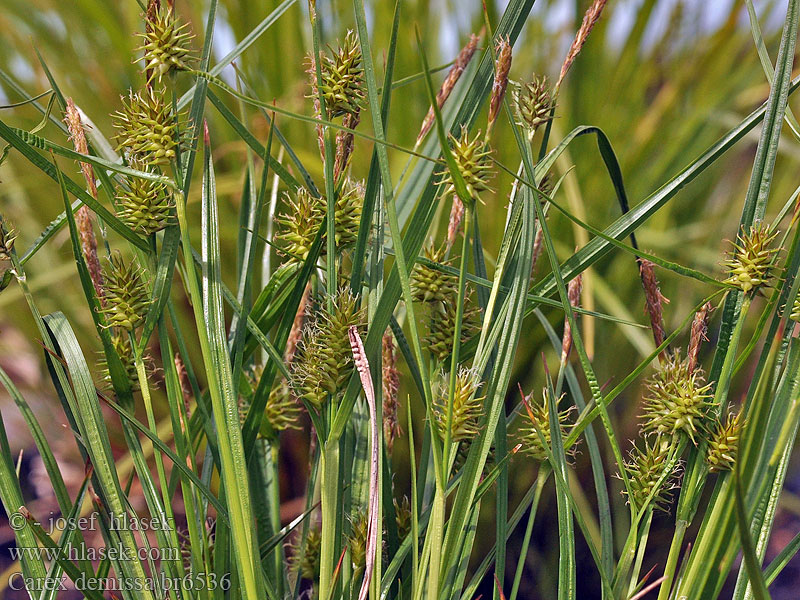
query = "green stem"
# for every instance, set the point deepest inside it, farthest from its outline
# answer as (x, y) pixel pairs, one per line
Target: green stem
(544, 473)
(329, 485)
(672, 559)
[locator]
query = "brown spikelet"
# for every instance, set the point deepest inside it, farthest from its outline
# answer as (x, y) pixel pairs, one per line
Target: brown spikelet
(590, 18)
(83, 216)
(454, 224)
(698, 334)
(183, 380)
(312, 77)
(502, 67)
(344, 145)
(390, 378)
(537, 249)
(574, 296)
(654, 300)
(461, 62)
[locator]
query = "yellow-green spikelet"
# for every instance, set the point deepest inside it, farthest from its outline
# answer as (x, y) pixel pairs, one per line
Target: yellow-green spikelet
(147, 128)
(749, 262)
(467, 406)
(347, 213)
(126, 298)
(307, 565)
(299, 225)
(325, 362)
(7, 236)
(442, 326)
(723, 446)
(537, 421)
(124, 350)
(282, 410)
(145, 205)
(473, 161)
(677, 400)
(648, 463)
(342, 82)
(429, 284)
(533, 103)
(165, 43)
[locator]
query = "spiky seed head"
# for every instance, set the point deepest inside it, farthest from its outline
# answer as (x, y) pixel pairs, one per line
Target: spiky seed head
(347, 212)
(126, 296)
(342, 82)
(283, 411)
(677, 400)
(648, 463)
(724, 444)
(402, 514)
(7, 236)
(305, 558)
(357, 542)
(432, 285)
(122, 346)
(536, 420)
(467, 406)
(324, 362)
(748, 264)
(442, 325)
(165, 43)
(145, 205)
(795, 314)
(299, 225)
(146, 127)
(473, 161)
(533, 103)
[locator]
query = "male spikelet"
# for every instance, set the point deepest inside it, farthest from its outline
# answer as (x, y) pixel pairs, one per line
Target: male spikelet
(467, 406)
(126, 296)
(749, 262)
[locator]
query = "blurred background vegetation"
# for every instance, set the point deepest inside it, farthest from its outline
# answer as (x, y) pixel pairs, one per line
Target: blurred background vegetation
(662, 78)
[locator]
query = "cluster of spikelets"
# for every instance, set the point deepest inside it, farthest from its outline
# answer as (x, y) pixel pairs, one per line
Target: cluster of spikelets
(535, 432)
(474, 164)
(342, 78)
(324, 361)
(677, 400)
(357, 536)
(749, 262)
(165, 43)
(305, 555)
(282, 411)
(653, 471)
(437, 290)
(305, 213)
(467, 408)
(149, 133)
